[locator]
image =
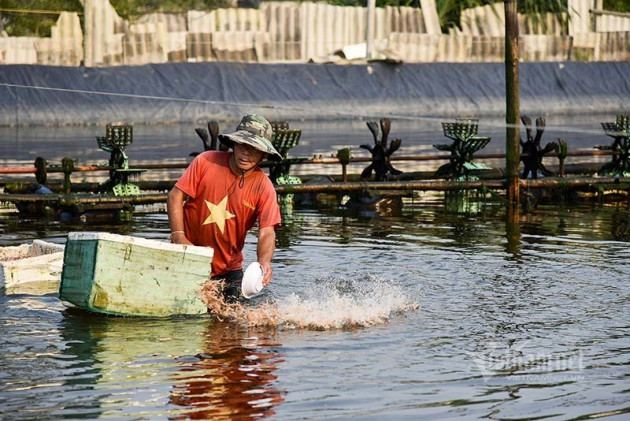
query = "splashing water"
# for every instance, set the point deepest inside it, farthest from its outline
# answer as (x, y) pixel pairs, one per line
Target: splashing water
(212, 297)
(329, 304)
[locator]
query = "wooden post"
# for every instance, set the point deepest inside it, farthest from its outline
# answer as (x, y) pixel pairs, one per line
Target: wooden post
(512, 113)
(83, 28)
(369, 28)
(88, 33)
(513, 231)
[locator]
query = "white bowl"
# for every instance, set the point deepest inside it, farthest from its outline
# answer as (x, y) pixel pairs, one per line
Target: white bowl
(252, 282)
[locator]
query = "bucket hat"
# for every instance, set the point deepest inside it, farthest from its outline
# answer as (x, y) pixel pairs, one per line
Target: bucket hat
(255, 131)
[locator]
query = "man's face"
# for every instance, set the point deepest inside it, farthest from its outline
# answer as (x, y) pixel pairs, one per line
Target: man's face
(246, 157)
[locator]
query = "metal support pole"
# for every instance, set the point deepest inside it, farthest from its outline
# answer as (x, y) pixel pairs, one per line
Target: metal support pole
(512, 113)
(68, 167)
(40, 166)
(344, 156)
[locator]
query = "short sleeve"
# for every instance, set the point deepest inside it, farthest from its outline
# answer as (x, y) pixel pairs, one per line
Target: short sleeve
(268, 209)
(189, 180)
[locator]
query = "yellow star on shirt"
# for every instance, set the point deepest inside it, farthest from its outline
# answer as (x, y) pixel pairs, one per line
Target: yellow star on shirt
(218, 214)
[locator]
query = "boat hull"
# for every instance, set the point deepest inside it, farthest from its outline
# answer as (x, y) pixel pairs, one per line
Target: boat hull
(133, 276)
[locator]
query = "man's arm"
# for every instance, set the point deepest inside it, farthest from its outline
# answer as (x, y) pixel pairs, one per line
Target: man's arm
(175, 210)
(266, 247)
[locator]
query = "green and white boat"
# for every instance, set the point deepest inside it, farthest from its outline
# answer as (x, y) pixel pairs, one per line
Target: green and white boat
(133, 276)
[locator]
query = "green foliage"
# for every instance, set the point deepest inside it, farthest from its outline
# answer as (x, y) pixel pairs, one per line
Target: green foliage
(617, 5)
(129, 9)
(449, 11)
(538, 6)
(536, 9)
(379, 3)
(33, 17)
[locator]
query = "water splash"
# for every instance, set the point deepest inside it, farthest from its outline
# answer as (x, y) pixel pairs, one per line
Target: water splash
(332, 303)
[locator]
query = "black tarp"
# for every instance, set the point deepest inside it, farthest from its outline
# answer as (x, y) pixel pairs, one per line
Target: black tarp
(199, 92)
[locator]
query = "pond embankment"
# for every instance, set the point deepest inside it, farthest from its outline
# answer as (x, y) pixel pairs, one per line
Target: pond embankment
(199, 92)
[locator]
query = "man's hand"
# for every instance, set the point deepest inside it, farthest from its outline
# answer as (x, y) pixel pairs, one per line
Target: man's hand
(179, 237)
(268, 272)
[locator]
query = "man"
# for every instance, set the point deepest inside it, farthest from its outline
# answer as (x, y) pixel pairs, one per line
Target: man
(220, 197)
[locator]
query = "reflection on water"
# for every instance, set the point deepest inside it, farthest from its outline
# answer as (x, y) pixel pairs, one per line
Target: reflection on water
(117, 367)
(232, 377)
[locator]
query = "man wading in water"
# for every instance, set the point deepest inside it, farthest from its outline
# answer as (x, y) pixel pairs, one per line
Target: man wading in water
(220, 197)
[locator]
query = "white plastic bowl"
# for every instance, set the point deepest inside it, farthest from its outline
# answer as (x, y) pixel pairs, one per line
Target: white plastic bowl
(252, 282)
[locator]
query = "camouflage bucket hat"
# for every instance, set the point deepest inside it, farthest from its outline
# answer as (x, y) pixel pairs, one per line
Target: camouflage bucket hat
(255, 131)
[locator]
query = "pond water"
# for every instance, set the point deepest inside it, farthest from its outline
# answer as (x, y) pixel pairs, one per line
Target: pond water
(424, 313)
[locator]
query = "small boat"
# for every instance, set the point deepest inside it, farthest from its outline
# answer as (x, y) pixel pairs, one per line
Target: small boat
(133, 276)
(40, 261)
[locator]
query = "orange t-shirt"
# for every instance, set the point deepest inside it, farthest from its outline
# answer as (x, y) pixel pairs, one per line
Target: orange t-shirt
(220, 210)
